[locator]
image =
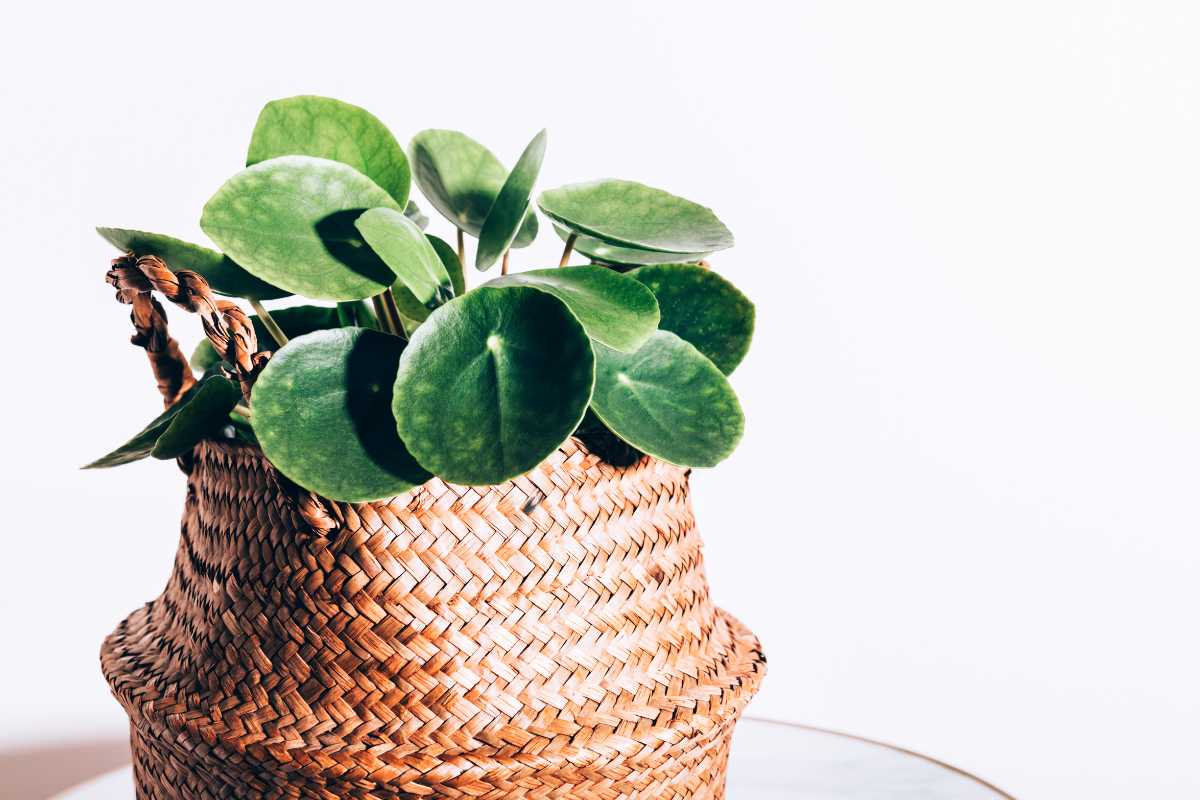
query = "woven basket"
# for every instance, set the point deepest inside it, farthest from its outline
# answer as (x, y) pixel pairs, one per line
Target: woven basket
(548, 637)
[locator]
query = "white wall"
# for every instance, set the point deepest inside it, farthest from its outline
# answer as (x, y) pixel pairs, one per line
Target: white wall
(965, 515)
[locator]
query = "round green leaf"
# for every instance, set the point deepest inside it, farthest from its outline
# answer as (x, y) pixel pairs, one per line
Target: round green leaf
(290, 221)
(492, 383)
(199, 421)
(668, 400)
(633, 215)
(204, 412)
(399, 242)
(323, 415)
(604, 253)
(701, 307)
(295, 321)
(511, 206)
(461, 178)
(328, 128)
(223, 275)
(613, 309)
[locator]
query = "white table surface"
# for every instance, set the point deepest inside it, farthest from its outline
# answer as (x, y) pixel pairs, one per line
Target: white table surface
(770, 761)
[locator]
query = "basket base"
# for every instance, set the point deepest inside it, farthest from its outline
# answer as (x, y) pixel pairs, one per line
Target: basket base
(159, 775)
(177, 767)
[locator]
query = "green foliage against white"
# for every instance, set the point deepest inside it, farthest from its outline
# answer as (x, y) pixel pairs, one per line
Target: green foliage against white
(412, 375)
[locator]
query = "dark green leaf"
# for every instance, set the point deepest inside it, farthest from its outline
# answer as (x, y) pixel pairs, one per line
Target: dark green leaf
(140, 445)
(633, 215)
(606, 444)
(205, 412)
(210, 394)
(222, 274)
(323, 415)
(613, 309)
(603, 253)
(668, 400)
(295, 321)
(449, 257)
(290, 221)
(406, 251)
(511, 206)
(492, 383)
(412, 310)
(701, 307)
(410, 307)
(461, 178)
(328, 128)
(350, 314)
(242, 429)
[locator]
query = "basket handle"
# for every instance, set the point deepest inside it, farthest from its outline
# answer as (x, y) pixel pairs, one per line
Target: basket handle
(225, 324)
(229, 330)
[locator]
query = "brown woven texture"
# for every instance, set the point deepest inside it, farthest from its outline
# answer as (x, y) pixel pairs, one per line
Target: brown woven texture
(225, 324)
(548, 637)
(551, 636)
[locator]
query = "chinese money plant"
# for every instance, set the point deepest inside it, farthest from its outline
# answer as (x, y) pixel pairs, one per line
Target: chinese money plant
(404, 373)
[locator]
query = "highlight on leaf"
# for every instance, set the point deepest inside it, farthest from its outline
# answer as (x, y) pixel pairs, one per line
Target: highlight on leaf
(290, 221)
(326, 128)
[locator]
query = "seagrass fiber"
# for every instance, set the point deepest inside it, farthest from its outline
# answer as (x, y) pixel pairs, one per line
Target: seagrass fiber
(548, 637)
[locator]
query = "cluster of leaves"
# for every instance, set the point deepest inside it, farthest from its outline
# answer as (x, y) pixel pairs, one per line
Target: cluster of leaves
(361, 402)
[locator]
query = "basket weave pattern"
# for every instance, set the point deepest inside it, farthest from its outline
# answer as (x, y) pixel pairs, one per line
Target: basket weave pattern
(548, 637)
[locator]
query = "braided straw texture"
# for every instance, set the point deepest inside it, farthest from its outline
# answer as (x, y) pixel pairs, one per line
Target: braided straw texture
(225, 324)
(549, 637)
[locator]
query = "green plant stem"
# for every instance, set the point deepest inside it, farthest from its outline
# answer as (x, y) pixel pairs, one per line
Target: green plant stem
(462, 248)
(269, 322)
(566, 256)
(381, 312)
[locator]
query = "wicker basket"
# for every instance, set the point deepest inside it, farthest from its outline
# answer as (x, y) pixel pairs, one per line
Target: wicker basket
(548, 637)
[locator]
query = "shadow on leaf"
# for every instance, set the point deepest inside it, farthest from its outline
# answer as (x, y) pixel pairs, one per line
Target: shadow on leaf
(343, 242)
(370, 375)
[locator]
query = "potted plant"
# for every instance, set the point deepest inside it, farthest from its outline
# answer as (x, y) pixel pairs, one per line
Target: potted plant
(437, 542)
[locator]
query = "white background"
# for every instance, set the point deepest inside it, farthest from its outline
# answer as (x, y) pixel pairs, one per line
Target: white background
(964, 517)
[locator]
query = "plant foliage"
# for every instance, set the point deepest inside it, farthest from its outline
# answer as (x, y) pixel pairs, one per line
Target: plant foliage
(412, 374)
